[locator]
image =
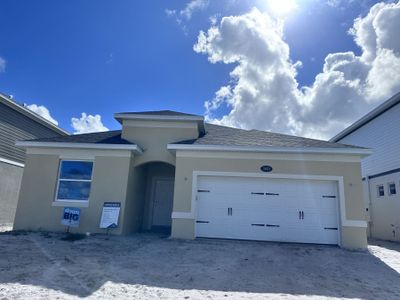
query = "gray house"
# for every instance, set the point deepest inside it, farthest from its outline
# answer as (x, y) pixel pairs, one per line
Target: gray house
(379, 131)
(17, 123)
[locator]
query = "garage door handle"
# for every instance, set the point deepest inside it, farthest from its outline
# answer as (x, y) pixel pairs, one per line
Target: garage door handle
(302, 215)
(229, 211)
(257, 225)
(330, 228)
(203, 222)
(272, 225)
(299, 215)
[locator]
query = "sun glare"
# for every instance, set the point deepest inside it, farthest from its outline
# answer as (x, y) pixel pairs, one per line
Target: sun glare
(281, 8)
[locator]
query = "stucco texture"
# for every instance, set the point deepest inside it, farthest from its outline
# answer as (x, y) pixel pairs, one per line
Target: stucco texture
(36, 210)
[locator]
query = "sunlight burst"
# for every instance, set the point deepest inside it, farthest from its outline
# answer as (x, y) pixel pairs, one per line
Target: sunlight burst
(281, 8)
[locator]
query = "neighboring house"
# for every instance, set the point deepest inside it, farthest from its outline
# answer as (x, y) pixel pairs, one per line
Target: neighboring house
(171, 170)
(17, 123)
(380, 131)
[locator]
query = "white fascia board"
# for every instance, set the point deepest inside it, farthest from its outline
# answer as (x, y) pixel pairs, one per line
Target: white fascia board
(120, 117)
(362, 152)
(28, 144)
(11, 162)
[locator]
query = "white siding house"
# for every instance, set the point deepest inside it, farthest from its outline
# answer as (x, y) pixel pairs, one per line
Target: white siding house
(379, 130)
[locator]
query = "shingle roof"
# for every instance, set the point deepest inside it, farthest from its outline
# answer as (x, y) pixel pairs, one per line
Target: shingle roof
(159, 113)
(228, 136)
(107, 137)
(215, 135)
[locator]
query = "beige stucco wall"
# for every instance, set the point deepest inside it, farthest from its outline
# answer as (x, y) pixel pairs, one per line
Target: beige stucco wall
(153, 137)
(135, 199)
(186, 163)
(36, 210)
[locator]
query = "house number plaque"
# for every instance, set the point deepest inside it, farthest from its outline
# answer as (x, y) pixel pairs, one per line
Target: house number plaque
(266, 168)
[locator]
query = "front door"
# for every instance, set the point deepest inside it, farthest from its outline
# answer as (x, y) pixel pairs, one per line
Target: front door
(163, 195)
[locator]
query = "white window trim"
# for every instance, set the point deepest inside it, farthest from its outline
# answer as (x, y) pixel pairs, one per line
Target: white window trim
(75, 202)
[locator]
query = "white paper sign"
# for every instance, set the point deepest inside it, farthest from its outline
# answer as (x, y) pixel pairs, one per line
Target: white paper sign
(110, 215)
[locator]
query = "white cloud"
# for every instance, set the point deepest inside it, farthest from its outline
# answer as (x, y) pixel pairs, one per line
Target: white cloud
(264, 93)
(192, 6)
(42, 111)
(2, 65)
(186, 13)
(87, 123)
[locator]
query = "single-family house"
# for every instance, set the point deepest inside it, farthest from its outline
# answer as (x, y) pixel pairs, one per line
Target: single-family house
(172, 171)
(17, 123)
(380, 131)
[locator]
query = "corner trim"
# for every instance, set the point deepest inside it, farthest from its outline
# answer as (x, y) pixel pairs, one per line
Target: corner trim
(362, 152)
(182, 215)
(28, 144)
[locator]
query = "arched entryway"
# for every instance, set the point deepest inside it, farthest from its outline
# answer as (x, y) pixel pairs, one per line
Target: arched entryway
(155, 187)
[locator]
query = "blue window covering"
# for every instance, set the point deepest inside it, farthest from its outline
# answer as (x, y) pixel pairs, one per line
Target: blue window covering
(76, 170)
(75, 180)
(73, 190)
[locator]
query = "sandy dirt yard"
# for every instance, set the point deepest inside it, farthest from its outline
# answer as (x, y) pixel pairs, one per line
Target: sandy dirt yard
(150, 266)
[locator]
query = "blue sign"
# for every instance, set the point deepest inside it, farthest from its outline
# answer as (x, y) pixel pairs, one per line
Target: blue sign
(71, 216)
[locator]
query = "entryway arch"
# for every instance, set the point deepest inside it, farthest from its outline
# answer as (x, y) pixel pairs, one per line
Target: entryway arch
(156, 180)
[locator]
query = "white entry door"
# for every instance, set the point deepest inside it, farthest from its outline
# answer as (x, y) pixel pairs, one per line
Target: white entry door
(163, 195)
(288, 210)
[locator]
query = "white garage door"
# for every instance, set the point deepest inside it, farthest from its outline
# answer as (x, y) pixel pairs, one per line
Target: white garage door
(289, 210)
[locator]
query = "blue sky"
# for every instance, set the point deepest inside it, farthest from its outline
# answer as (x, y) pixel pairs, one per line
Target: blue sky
(103, 56)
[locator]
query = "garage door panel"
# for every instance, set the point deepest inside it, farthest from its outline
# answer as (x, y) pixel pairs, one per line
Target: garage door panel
(310, 235)
(268, 209)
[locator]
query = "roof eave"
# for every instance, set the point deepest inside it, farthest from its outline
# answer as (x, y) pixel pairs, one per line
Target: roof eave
(30, 114)
(121, 116)
(309, 150)
(391, 102)
(31, 144)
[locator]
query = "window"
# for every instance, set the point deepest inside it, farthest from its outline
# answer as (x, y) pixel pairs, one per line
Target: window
(392, 188)
(381, 190)
(75, 178)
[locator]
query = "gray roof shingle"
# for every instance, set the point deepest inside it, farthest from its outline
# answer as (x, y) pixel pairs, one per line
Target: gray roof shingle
(229, 136)
(215, 135)
(107, 137)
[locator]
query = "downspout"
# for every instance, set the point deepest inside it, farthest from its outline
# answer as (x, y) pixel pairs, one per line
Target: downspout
(370, 223)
